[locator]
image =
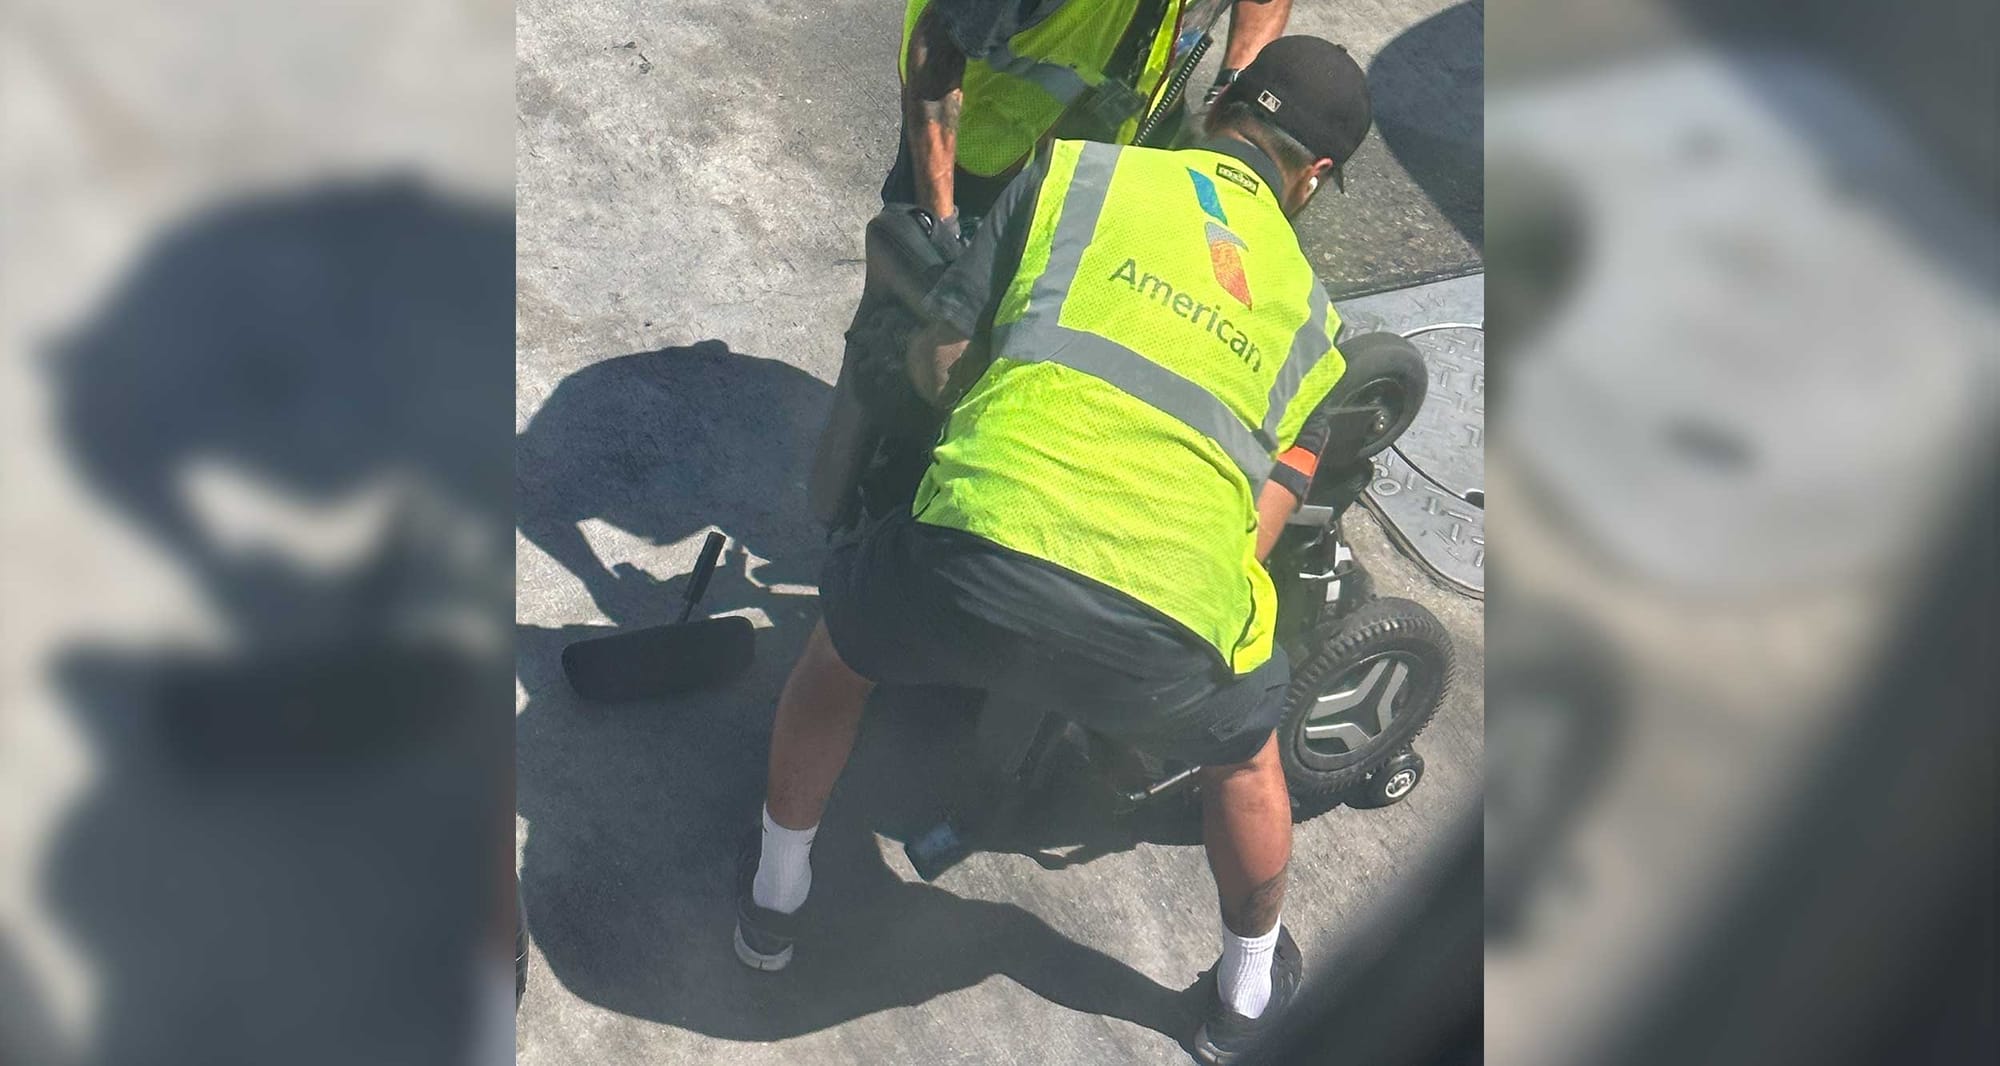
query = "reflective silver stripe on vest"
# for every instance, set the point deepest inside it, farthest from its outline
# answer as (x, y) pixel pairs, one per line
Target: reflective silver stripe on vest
(1059, 81)
(1149, 383)
(1040, 338)
(1083, 204)
(1309, 345)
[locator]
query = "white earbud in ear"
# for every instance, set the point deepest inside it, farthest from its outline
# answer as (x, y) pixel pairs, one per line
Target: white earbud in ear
(1314, 184)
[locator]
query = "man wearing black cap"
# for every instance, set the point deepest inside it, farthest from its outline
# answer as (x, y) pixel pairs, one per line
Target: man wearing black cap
(1329, 111)
(1130, 352)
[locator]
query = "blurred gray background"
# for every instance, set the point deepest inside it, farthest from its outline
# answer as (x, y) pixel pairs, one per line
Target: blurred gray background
(1744, 265)
(255, 280)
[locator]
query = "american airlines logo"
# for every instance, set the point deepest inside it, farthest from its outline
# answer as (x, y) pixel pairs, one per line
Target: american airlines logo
(1206, 317)
(1225, 249)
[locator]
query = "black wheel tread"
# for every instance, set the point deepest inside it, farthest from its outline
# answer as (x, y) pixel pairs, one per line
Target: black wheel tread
(1377, 620)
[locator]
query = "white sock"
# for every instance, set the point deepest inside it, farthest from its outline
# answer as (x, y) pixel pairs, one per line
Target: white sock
(784, 868)
(1244, 977)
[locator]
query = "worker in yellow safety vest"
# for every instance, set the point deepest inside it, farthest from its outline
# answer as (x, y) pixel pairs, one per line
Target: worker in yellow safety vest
(985, 81)
(1130, 352)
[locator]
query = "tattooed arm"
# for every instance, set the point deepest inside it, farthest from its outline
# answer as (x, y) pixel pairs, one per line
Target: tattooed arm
(931, 102)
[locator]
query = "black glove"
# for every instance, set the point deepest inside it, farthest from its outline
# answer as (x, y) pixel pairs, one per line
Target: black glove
(945, 236)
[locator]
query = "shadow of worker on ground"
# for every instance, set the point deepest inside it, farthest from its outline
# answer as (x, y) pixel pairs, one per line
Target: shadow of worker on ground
(287, 852)
(662, 445)
(1428, 87)
(636, 812)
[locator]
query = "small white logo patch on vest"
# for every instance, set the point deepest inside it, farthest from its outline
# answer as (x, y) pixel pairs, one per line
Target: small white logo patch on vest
(1236, 177)
(1270, 102)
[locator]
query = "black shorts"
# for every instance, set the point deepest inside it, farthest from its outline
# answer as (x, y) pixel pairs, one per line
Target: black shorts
(899, 614)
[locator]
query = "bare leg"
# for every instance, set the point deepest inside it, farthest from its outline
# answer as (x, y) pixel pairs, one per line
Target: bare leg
(1246, 821)
(818, 715)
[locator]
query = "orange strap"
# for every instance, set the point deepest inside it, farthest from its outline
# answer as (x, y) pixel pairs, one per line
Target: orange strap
(1303, 460)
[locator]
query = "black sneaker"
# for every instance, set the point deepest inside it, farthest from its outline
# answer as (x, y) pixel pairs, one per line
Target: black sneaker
(1227, 1035)
(763, 936)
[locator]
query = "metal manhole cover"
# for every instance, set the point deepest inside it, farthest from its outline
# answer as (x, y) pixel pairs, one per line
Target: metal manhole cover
(1448, 439)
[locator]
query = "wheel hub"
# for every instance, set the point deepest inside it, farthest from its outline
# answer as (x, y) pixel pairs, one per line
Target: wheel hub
(1400, 784)
(1362, 703)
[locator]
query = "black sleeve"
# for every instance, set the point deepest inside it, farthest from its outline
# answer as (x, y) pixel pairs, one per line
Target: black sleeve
(1312, 437)
(1293, 481)
(1314, 433)
(970, 289)
(978, 26)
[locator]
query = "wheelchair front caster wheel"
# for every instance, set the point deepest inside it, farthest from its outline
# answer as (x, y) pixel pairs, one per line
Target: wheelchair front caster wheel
(1390, 784)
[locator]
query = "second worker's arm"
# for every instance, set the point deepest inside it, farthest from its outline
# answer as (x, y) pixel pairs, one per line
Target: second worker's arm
(1252, 25)
(932, 97)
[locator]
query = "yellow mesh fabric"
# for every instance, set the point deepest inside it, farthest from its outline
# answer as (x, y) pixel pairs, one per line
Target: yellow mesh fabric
(1057, 463)
(1107, 487)
(1150, 280)
(1314, 388)
(1004, 116)
(1035, 253)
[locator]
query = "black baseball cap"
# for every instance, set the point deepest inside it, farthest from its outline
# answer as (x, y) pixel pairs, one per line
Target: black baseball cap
(1314, 91)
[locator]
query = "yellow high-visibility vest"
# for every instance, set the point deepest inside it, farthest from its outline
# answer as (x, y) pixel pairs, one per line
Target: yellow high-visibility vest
(1163, 339)
(1014, 96)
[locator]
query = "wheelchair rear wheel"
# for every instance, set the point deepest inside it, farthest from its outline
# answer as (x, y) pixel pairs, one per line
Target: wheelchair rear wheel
(1368, 684)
